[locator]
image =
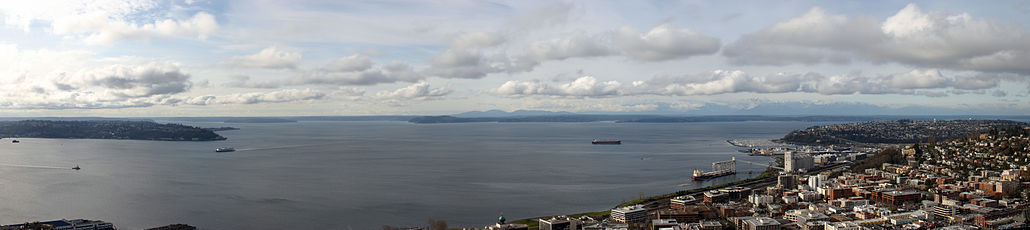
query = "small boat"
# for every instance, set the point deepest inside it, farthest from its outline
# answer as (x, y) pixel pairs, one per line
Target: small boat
(225, 149)
(15, 141)
(606, 142)
(76, 167)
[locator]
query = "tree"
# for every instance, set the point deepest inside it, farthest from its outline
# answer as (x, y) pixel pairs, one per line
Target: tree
(437, 225)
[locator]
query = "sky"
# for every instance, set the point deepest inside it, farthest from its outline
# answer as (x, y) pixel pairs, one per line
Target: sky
(397, 57)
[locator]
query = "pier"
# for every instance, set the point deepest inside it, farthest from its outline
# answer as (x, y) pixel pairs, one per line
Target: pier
(724, 168)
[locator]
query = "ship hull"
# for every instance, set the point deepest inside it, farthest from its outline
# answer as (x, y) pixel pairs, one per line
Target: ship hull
(606, 142)
(708, 176)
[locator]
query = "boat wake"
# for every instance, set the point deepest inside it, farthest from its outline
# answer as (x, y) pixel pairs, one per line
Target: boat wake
(284, 147)
(35, 166)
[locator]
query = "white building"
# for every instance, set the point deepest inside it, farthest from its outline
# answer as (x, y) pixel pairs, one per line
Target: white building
(760, 199)
(809, 196)
(843, 226)
(816, 181)
(794, 161)
(635, 213)
(762, 223)
(804, 215)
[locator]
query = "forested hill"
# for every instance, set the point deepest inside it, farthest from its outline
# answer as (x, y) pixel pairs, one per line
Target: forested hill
(107, 129)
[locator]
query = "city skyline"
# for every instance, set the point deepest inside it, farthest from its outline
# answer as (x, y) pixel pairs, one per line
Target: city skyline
(278, 58)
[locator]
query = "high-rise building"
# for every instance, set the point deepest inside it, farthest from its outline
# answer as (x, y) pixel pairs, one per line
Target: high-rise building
(786, 181)
(816, 181)
(794, 161)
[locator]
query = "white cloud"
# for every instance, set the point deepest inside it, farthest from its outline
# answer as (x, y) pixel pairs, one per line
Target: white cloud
(585, 86)
(23, 14)
(911, 36)
(135, 81)
(107, 22)
(418, 91)
(277, 96)
(270, 58)
(919, 79)
(352, 63)
(578, 45)
(999, 93)
(475, 40)
(468, 58)
(244, 81)
(351, 70)
(351, 93)
(723, 81)
(34, 82)
(100, 29)
(928, 82)
(358, 73)
(663, 42)
(810, 38)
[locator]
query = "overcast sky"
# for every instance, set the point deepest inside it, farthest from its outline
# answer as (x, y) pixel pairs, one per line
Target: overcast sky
(261, 58)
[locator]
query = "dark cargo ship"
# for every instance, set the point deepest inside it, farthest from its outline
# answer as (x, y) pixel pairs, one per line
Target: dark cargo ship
(606, 142)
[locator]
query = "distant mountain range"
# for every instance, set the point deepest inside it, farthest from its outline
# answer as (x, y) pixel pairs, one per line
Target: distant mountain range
(663, 112)
(630, 118)
(516, 113)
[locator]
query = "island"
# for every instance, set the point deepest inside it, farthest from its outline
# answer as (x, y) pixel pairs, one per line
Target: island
(896, 132)
(106, 129)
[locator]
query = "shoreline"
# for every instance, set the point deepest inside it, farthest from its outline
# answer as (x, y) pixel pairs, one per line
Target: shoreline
(533, 223)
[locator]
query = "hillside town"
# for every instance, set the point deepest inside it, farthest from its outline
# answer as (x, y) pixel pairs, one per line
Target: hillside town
(893, 132)
(971, 182)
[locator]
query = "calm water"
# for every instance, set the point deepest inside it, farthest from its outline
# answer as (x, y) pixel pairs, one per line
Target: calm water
(362, 175)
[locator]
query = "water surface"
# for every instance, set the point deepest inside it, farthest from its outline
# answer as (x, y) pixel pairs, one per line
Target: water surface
(362, 175)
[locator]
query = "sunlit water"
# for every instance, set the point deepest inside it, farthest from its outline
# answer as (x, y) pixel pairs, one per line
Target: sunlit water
(362, 175)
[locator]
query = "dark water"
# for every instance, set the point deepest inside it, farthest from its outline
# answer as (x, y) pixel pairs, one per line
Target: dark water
(362, 175)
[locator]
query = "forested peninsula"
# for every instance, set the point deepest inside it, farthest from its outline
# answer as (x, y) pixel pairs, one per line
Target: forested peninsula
(105, 129)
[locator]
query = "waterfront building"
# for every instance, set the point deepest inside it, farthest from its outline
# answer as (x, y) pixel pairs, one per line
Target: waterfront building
(76, 224)
(735, 193)
(559, 223)
(501, 225)
(715, 196)
(681, 202)
(635, 214)
(507, 227)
